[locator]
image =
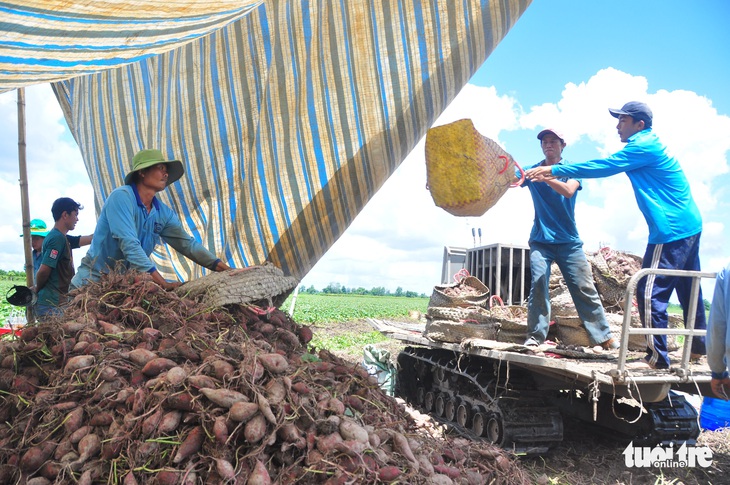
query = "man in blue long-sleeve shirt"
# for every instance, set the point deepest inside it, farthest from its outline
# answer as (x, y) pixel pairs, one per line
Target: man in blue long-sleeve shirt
(664, 198)
(133, 221)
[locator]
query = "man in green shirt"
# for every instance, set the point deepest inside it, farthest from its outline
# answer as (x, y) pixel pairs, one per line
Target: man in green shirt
(57, 267)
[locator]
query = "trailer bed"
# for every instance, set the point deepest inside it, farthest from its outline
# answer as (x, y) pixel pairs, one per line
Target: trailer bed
(567, 367)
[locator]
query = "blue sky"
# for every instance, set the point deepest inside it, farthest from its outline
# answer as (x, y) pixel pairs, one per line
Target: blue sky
(562, 65)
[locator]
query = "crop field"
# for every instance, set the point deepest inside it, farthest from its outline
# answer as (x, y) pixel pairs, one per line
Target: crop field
(6, 309)
(328, 308)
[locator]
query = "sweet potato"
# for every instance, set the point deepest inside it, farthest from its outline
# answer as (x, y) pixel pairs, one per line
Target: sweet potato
(265, 408)
(220, 430)
(389, 473)
(301, 388)
(223, 397)
(449, 471)
(190, 445)
(255, 429)
(259, 475)
(38, 481)
(274, 363)
(89, 446)
(225, 469)
(243, 411)
(187, 352)
(34, 458)
(401, 445)
(150, 423)
(182, 401)
(103, 418)
(328, 444)
(139, 356)
(276, 391)
(221, 369)
(74, 420)
(109, 328)
(305, 334)
(73, 326)
(78, 362)
(350, 430)
(157, 365)
(76, 436)
(169, 422)
(351, 447)
(201, 380)
(176, 376)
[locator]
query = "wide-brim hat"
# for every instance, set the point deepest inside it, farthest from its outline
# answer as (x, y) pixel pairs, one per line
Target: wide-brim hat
(147, 158)
(38, 228)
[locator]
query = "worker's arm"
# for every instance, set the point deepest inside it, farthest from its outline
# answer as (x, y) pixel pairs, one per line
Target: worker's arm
(567, 189)
(41, 277)
(86, 240)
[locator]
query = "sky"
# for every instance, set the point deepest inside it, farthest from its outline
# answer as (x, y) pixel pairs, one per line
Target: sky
(563, 64)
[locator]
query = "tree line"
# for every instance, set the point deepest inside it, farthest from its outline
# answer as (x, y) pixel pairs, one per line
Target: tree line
(338, 289)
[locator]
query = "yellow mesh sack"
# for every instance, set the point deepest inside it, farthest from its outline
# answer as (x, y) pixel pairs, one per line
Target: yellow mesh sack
(467, 173)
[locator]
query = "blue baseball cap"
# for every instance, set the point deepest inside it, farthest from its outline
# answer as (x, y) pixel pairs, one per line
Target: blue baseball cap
(637, 110)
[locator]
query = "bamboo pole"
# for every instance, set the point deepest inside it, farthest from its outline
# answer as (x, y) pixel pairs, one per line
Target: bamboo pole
(24, 204)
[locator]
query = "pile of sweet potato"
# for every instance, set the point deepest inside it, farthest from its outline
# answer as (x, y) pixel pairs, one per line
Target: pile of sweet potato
(138, 385)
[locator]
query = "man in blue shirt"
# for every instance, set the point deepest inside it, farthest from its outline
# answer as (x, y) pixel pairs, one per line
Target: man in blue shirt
(718, 336)
(133, 221)
(554, 237)
(664, 197)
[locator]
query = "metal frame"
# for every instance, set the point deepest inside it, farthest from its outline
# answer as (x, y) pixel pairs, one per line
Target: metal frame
(485, 262)
(682, 373)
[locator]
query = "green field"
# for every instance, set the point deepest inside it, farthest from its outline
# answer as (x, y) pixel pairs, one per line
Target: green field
(326, 308)
(6, 309)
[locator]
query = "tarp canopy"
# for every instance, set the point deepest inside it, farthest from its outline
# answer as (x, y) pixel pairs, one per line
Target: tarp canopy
(288, 116)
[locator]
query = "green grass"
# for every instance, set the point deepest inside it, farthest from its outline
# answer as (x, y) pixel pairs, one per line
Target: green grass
(324, 308)
(347, 340)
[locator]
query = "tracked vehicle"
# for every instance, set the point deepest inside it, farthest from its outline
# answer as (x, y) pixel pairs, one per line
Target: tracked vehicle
(518, 397)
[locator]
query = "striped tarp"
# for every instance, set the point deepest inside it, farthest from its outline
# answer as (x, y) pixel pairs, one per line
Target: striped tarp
(287, 120)
(52, 40)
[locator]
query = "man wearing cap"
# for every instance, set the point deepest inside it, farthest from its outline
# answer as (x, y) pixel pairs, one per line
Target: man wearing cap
(664, 197)
(133, 221)
(554, 237)
(38, 233)
(57, 266)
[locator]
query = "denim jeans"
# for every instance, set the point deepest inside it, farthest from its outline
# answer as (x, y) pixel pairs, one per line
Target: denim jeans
(42, 311)
(576, 270)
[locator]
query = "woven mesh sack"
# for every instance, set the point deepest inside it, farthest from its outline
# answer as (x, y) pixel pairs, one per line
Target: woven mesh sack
(456, 332)
(470, 291)
(477, 315)
(467, 173)
(264, 285)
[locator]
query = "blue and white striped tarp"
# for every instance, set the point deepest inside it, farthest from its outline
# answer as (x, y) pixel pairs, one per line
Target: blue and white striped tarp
(288, 119)
(52, 40)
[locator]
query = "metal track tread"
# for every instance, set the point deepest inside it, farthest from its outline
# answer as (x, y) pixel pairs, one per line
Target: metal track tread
(469, 394)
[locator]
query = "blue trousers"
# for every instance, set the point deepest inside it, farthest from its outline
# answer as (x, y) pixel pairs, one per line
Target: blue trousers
(576, 270)
(682, 254)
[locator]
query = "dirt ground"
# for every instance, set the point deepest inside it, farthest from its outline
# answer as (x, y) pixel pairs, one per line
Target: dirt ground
(587, 455)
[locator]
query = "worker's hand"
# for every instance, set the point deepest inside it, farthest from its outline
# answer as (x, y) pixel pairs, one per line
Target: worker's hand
(221, 266)
(539, 174)
(171, 285)
(721, 388)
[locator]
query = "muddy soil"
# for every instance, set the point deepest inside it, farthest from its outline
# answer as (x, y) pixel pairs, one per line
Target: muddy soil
(587, 455)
